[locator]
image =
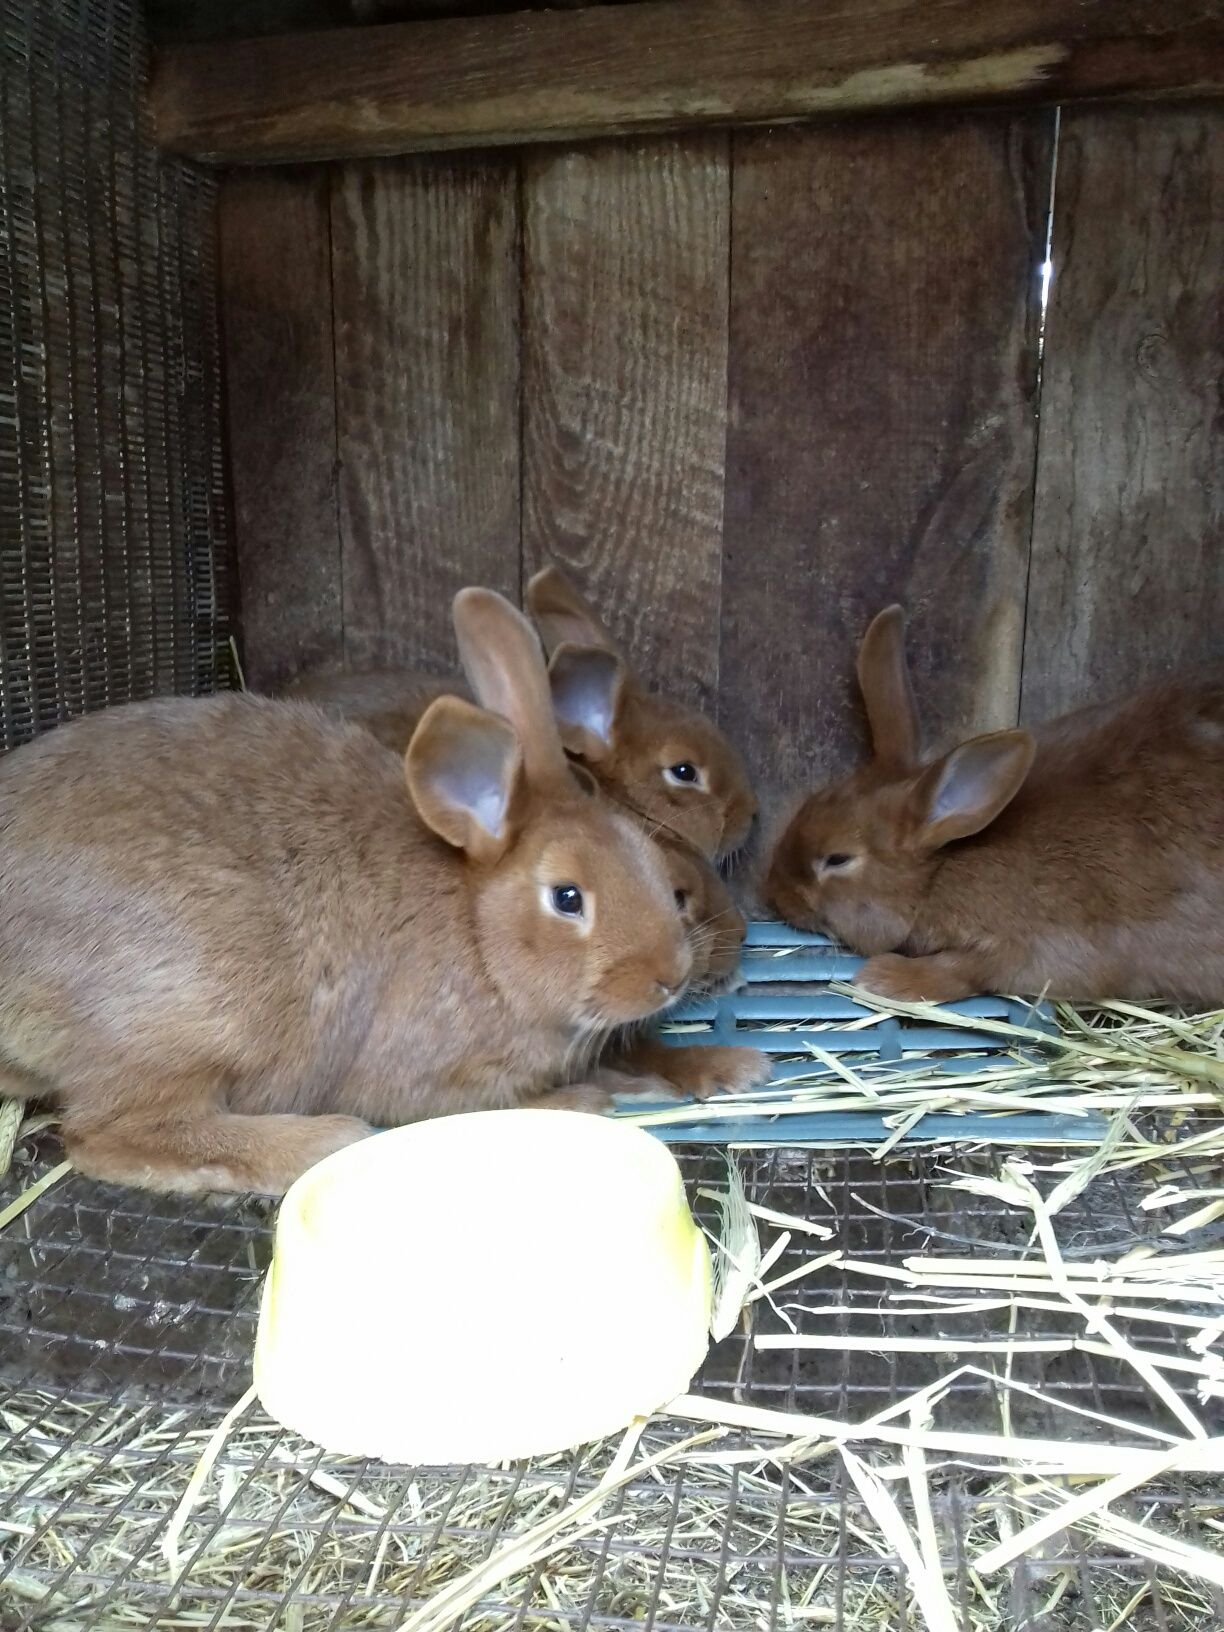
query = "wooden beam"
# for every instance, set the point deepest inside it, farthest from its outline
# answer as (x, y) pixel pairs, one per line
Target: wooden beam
(665, 64)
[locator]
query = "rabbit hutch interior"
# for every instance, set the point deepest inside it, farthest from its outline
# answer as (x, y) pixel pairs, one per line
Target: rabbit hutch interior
(738, 323)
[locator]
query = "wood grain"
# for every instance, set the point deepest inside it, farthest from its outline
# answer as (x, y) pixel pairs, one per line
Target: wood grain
(1128, 541)
(625, 360)
(280, 400)
(883, 361)
(426, 280)
(552, 76)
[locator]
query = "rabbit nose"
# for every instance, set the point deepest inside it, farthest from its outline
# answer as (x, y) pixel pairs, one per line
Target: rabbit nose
(670, 982)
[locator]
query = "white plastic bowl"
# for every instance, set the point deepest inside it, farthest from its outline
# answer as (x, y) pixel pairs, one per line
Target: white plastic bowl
(481, 1288)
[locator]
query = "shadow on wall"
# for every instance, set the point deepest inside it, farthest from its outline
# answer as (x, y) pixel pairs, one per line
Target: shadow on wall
(178, 21)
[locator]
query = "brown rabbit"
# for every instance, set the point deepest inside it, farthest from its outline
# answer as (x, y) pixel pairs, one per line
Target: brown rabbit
(663, 760)
(654, 756)
(217, 916)
(1085, 860)
(390, 705)
(716, 930)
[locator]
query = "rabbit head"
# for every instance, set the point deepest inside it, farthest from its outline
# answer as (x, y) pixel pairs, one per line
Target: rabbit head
(714, 924)
(573, 905)
(857, 858)
(663, 760)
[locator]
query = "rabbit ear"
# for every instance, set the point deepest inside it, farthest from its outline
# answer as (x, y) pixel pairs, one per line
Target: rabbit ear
(502, 659)
(584, 779)
(562, 615)
(964, 791)
(883, 676)
(464, 770)
(588, 687)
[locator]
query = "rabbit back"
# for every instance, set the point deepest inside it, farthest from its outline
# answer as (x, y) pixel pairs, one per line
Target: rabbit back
(1104, 876)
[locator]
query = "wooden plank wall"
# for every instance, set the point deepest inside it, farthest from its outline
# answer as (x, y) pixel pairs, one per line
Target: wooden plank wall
(1127, 575)
(625, 390)
(883, 366)
(749, 388)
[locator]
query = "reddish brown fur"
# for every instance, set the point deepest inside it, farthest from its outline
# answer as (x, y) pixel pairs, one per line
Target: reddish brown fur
(387, 704)
(715, 924)
(218, 915)
(1102, 877)
(648, 734)
(390, 706)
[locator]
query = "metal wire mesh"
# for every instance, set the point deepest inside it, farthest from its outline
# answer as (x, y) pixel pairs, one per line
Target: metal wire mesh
(126, 1324)
(114, 579)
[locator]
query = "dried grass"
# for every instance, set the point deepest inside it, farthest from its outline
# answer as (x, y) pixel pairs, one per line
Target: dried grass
(687, 1531)
(110, 1512)
(1120, 1061)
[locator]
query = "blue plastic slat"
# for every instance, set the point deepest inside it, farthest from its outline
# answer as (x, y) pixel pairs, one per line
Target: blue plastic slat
(800, 964)
(820, 1005)
(800, 1070)
(889, 1042)
(772, 932)
(819, 1017)
(862, 1127)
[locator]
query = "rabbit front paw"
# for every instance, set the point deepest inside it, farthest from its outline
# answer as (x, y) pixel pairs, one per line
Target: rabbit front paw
(716, 1069)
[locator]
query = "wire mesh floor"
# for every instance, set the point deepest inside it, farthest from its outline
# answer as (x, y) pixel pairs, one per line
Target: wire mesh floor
(126, 1324)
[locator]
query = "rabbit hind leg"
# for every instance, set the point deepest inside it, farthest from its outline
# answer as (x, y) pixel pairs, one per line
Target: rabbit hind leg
(201, 1150)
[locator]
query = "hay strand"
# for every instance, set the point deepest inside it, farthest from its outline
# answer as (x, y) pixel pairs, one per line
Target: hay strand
(29, 1196)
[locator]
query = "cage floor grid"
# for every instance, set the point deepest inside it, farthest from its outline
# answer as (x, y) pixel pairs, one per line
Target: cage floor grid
(785, 1003)
(126, 1324)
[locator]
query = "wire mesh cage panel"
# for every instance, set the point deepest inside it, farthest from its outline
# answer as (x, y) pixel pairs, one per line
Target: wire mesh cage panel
(126, 1325)
(113, 571)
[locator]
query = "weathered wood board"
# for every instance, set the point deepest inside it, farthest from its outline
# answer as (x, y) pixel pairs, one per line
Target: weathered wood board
(555, 76)
(1128, 539)
(748, 390)
(880, 445)
(426, 274)
(624, 399)
(276, 308)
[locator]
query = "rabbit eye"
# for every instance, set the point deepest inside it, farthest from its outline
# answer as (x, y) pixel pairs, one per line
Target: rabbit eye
(682, 899)
(835, 862)
(683, 775)
(567, 900)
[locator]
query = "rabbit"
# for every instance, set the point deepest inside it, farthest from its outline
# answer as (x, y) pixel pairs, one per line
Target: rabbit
(390, 705)
(234, 933)
(716, 930)
(654, 756)
(1084, 860)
